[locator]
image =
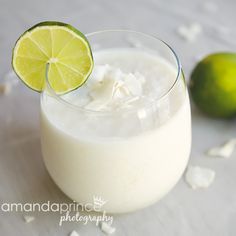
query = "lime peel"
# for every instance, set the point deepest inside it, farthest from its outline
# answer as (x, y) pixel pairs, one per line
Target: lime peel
(213, 85)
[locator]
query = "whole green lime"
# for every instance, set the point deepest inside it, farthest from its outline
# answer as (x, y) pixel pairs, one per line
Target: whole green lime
(213, 85)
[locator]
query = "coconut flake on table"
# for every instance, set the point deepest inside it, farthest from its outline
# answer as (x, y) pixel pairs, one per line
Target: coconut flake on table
(28, 218)
(9, 80)
(190, 32)
(225, 151)
(109, 87)
(5, 88)
(73, 233)
(107, 228)
(199, 177)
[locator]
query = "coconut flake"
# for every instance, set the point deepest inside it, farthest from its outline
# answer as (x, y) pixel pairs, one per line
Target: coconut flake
(189, 33)
(133, 85)
(140, 77)
(9, 80)
(28, 218)
(5, 88)
(107, 228)
(111, 88)
(199, 177)
(224, 151)
(73, 233)
(99, 72)
(104, 91)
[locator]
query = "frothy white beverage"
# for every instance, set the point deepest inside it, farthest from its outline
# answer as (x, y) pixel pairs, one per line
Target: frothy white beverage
(124, 136)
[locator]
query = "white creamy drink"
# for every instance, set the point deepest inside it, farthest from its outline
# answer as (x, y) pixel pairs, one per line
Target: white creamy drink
(124, 136)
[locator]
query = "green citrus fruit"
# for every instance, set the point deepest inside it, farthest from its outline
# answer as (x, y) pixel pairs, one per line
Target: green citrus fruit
(66, 51)
(213, 85)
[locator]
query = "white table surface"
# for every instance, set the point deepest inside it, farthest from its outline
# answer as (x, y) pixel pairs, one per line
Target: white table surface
(23, 178)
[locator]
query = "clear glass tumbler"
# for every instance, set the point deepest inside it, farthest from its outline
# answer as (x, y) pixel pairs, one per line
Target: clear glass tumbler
(130, 157)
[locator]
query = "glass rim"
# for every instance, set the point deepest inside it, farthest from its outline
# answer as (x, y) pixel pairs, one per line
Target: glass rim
(165, 94)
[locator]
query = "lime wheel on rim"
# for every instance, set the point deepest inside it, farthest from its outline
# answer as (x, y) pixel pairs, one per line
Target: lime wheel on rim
(66, 51)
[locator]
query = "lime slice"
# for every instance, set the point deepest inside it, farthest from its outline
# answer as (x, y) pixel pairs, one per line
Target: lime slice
(66, 51)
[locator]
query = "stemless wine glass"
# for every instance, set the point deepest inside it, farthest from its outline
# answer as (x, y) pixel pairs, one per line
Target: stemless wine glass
(131, 157)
